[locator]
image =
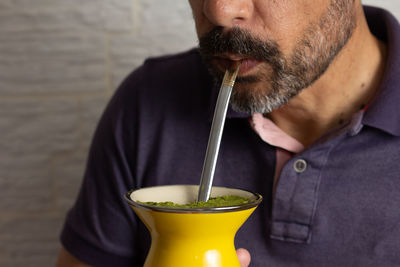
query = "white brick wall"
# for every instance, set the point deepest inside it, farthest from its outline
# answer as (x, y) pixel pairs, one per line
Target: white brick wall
(60, 60)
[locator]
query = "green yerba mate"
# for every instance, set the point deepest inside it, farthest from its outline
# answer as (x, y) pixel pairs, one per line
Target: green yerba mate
(213, 202)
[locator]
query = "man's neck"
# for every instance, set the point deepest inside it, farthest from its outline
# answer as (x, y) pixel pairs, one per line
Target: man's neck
(349, 84)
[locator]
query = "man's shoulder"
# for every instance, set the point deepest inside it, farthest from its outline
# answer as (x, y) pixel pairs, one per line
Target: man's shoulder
(170, 72)
(180, 65)
(180, 76)
(171, 85)
(176, 58)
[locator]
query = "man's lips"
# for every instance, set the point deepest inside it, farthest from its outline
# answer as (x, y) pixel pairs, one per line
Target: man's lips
(246, 64)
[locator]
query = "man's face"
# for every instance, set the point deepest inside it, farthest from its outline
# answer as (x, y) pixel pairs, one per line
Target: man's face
(283, 45)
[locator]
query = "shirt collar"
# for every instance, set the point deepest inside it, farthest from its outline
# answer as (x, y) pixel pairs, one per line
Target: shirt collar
(383, 112)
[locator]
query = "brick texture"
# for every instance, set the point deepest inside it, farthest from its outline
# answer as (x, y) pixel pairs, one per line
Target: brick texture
(60, 62)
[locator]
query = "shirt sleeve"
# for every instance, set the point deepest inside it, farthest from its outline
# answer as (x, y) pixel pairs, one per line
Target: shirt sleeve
(101, 229)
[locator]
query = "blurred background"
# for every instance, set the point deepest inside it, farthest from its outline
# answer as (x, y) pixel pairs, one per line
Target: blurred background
(60, 62)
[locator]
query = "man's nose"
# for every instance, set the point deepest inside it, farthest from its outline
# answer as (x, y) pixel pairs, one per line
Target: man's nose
(228, 13)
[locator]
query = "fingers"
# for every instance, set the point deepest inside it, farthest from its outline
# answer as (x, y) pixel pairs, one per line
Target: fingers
(244, 257)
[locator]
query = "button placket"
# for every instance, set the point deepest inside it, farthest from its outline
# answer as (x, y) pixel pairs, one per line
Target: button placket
(296, 196)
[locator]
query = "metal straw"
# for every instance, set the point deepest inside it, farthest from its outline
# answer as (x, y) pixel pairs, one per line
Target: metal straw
(214, 139)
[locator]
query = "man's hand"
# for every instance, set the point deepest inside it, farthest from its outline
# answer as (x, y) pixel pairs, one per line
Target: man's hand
(244, 257)
(66, 259)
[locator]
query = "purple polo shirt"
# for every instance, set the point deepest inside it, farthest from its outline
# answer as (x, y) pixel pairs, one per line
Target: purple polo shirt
(337, 203)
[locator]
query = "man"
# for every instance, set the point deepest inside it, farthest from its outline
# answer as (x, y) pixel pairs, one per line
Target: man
(314, 128)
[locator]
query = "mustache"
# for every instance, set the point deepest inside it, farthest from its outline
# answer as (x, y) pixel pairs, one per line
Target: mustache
(239, 42)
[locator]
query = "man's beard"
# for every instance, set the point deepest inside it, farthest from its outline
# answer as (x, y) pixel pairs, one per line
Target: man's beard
(282, 77)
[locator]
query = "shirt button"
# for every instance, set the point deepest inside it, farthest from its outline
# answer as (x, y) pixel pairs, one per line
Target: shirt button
(300, 165)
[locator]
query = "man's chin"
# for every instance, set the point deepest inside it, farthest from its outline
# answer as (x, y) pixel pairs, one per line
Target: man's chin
(245, 100)
(256, 97)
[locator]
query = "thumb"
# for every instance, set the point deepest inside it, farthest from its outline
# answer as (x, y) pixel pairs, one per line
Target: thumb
(244, 257)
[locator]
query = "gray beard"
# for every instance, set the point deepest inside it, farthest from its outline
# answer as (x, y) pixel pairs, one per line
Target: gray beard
(312, 56)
